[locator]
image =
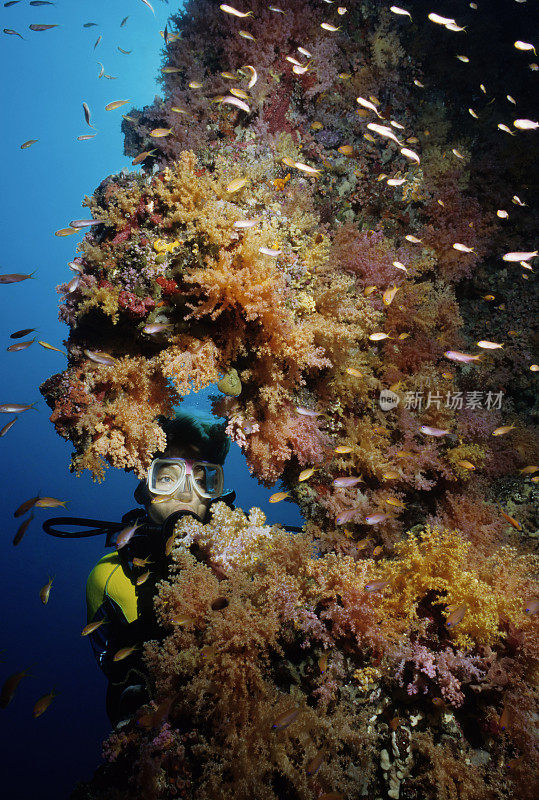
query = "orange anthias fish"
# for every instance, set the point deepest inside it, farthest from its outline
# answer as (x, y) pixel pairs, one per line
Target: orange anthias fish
(93, 626)
(169, 545)
(43, 703)
(115, 104)
(26, 506)
(10, 687)
(511, 520)
(456, 616)
(315, 763)
(278, 496)
(285, 719)
(49, 502)
(505, 718)
(45, 592)
(323, 662)
(124, 652)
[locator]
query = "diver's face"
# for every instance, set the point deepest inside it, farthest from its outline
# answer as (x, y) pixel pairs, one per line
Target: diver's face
(159, 512)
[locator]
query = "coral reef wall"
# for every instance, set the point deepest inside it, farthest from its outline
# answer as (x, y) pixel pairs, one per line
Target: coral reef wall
(313, 221)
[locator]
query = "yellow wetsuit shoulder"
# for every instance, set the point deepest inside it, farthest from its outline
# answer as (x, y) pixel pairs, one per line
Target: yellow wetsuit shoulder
(108, 578)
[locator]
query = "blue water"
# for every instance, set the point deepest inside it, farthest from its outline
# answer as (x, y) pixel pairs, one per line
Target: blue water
(45, 79)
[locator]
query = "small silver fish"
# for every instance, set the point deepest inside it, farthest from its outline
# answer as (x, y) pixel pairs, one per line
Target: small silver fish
(87, 114)
(85, 223)
(429, 431)
(100, 357)
(463, 358)
(347, 481)
(14, 408)
(307, 412)
(374, 519)
(156, 327)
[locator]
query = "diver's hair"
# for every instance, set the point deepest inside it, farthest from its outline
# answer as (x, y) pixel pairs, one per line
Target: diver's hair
(198, 429)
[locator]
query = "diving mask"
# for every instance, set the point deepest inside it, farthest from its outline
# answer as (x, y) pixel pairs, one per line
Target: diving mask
(179, 478)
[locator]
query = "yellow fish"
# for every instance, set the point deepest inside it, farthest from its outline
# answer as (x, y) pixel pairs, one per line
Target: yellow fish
(30, 142)
(124, 652)
(43, 703)
(45, 591)
(511, 520)
(503, 430)
(92, 626)
(182, 619)
(50, 502)
(142, 156)
(236, 185)
(239, 93)
(48, 346)
(456, 616)
(278, 496)
(159, 133)
(305, 474)
(115, 104)
(392, 501)
(141, 562)
(389, 294)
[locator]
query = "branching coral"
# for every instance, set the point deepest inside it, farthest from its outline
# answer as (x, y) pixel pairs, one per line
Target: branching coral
(258, 626)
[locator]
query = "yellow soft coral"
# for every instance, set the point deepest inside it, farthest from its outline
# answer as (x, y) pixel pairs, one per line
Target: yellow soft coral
(438, 562)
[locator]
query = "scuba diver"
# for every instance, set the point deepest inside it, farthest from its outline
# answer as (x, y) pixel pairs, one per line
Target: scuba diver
(187, 478)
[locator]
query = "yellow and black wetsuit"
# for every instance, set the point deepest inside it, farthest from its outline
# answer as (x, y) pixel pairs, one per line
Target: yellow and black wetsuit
(112, 594)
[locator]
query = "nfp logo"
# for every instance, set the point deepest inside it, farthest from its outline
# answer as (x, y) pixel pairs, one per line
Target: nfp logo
(388, 400)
